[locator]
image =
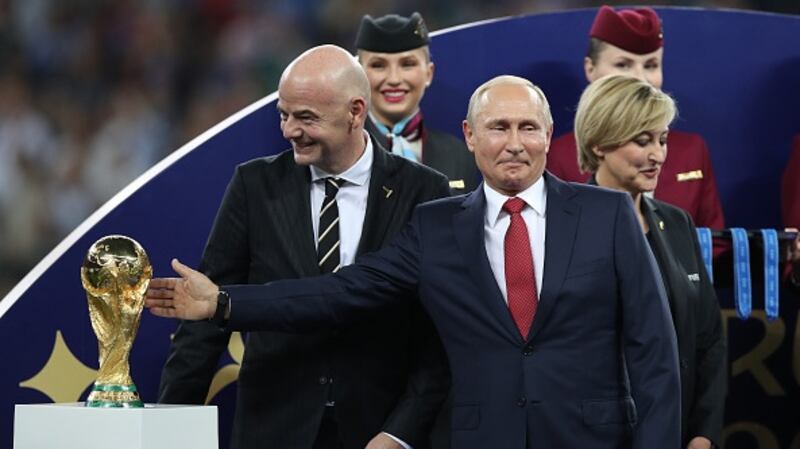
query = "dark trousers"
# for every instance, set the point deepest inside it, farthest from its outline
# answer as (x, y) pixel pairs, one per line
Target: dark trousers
(328, 436)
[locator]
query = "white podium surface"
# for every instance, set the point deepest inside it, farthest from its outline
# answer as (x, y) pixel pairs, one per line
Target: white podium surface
(74, 426)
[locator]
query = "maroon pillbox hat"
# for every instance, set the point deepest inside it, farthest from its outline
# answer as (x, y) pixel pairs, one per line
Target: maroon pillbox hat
(634, 30)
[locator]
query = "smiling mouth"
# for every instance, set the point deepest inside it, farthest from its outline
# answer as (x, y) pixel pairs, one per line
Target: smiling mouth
(394, 96)
(514, 163)
(299, 146)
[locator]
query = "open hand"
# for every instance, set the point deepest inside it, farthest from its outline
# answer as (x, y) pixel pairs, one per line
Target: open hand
(192, 296)
(383, 441)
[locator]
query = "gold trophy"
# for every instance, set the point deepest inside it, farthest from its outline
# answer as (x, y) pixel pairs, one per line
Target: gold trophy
(115, 275)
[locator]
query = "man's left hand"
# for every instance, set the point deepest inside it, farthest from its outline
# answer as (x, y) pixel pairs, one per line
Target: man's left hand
(191, 297)
(383, 441)
(699, 443)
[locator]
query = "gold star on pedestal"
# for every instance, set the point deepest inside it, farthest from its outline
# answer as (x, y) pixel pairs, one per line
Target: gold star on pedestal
(228, 373)
(63, 377)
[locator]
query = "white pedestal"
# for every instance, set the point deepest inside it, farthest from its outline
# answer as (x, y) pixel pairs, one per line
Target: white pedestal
(73, 426)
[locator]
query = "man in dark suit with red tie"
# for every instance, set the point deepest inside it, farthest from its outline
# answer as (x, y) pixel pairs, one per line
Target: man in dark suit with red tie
(630, 42)
(336, 195)
(545, 294)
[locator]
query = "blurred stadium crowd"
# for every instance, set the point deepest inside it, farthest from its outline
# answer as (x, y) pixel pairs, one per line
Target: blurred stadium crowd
(93, 92)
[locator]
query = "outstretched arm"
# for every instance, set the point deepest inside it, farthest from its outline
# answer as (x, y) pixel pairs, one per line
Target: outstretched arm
(190, 297)
(298, 305)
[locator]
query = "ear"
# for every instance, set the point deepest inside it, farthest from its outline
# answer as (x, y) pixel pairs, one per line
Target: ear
(469, 136)
(429, 78)
(358, 112)
(588, 68)
(598, 152)
(549, 139)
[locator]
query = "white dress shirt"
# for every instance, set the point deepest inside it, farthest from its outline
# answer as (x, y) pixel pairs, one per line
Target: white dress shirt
(351, 200)
(496, 224)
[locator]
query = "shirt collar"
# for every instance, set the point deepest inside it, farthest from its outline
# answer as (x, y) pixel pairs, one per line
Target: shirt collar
(357, 174)
(534, 196)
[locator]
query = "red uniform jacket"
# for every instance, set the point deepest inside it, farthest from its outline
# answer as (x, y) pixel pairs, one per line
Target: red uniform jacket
(790, 190)
(686, 180)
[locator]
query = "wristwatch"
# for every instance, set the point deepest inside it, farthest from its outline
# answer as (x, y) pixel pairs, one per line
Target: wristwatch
(223, 312)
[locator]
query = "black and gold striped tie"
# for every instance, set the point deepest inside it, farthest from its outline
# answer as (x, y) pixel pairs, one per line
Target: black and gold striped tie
(328, 240)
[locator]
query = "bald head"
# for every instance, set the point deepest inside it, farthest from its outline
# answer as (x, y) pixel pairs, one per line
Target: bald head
(329, 69)
(479, 97)
(323, 97)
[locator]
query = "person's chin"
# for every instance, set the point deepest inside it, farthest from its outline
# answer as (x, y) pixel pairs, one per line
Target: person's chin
(304, 156)
(395, 112)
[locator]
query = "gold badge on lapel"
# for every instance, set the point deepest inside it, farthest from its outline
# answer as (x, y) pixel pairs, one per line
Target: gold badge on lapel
(690, 175)
(660, 225)
(457, 184)
(388, 191)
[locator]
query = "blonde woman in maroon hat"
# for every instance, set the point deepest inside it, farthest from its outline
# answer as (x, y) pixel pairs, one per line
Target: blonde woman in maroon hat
(630, 42)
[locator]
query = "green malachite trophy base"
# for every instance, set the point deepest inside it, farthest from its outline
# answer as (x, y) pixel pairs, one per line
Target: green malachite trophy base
(114, 396)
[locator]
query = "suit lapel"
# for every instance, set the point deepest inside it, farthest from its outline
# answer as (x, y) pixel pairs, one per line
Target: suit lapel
(668, 266)
(562, 225)
(382, 201)
(468, 228)
(377, 136)
(296, 204)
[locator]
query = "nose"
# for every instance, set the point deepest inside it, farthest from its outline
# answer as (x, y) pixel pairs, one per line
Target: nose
(393, 76)
(638, 72)
(514, 142)
(657, 153)
(290, 129)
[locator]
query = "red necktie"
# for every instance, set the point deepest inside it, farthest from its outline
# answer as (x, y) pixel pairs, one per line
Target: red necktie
(520, 277)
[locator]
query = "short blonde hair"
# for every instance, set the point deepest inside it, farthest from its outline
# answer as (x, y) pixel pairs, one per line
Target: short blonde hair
(474, 108)
(613, 110)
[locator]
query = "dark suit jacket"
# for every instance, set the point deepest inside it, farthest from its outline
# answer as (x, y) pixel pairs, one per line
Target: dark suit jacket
(702, 349)
(600, 367)
(696, 193)
(445, 154)
(383, 380)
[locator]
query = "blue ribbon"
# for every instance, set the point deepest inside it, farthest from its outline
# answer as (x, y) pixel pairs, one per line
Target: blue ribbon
(743, 294)
(400, 146)
(771, 295)
(706, 247)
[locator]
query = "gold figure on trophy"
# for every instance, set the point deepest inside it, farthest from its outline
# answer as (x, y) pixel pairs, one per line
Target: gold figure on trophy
(115, 274)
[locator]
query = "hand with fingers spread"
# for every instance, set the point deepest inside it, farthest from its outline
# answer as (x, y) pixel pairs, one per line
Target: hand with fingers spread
(190, 297)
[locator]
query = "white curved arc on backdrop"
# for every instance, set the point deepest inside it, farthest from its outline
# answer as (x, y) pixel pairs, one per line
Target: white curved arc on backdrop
(56, 253)
(59, 250)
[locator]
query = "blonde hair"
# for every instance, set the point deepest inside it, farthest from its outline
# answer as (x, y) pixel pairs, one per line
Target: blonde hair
(613, 110)
(474, 108)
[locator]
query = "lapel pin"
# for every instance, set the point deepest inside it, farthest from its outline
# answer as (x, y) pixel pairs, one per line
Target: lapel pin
(388, 191)
(661, 225)
(457, 184)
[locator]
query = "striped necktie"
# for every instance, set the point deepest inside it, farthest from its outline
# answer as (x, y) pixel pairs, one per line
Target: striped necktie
(328, 240)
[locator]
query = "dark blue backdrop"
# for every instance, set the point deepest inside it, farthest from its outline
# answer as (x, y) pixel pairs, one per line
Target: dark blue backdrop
(736, 77)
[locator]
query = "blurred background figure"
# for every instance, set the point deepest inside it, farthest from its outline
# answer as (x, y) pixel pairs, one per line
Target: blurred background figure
(630, 42)
(790, 187)
(621, 129)
(394, 52)
(82, 78)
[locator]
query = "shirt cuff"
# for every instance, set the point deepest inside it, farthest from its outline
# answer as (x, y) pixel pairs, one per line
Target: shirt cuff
(399, 441)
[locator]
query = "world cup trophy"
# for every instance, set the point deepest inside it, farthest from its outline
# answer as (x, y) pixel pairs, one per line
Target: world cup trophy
(115, 275)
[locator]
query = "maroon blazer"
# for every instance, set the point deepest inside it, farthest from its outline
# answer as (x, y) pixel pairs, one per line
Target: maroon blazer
(790, 188)
(687, 179)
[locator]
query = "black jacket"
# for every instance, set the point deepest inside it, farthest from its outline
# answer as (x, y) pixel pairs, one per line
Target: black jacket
(702, 348)
(389, 372)
(445, 154)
